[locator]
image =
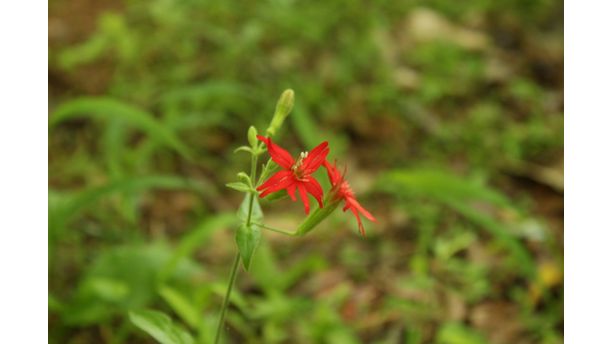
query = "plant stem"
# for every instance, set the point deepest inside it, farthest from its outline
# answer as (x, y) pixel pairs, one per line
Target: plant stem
(230, 285)
(234, 272)
(277, 230)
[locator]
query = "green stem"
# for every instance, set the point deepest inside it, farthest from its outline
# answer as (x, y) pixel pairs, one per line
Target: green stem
(228, 293)
(234, 272)
(272, 229)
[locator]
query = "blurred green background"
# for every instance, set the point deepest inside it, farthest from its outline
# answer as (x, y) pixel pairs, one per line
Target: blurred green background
(449, 115)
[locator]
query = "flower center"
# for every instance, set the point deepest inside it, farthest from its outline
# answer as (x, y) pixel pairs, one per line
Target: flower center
(345, 189)
(297, 171)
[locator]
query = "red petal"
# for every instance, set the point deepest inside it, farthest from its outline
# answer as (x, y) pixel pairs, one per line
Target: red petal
(315, 158)
(275, 179)
(314, 188)
(354, 204)
(304, 197)
(278, 154)
(332, 173)
(277, 182)
(291, 191)
(285, 183)
(361, 229)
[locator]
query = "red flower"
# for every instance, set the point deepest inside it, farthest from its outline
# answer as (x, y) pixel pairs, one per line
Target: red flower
(296, 174)
(343, 190)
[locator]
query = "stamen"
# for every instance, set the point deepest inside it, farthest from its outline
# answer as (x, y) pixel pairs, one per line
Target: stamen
(298, 164)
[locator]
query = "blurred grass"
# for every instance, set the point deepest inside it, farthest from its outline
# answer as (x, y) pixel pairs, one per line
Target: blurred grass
(445, 112)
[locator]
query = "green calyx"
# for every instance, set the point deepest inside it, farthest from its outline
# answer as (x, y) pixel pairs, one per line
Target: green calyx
(318, 215)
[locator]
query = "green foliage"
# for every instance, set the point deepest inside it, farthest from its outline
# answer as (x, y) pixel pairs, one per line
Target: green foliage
(64, 207)
(243, 210)
(196, 237)
(159, 326)
(453, 333)
(108, 108)
(239, 186)
(148, 100)
(311, 135)
(247, 239)
(274, 278)
(440, 185)
(181, 305)
(119, 280)
(458, 193)
(248, 235)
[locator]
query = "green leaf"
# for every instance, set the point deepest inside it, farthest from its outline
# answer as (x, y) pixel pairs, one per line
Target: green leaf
(83, 53)
(109, 108)
(239, 186)
(243, 149)
(114, 138)
(439, 185)
(108, 289)
(159, 326)
(243, 211)
(247, 239)
(181, 305)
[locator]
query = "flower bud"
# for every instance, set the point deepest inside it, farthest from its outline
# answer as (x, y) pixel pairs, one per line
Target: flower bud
(283, 108)
(252, 136)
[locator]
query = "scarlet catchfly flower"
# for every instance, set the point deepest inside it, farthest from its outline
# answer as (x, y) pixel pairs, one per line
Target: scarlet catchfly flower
(295, 174)
(341, 190)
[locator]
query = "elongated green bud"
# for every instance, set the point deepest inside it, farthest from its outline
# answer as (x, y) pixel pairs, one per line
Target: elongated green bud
(320, 214)
(283, 108)
(252, 136)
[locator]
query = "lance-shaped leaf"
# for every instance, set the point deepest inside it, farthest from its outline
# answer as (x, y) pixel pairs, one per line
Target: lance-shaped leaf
(239, 186)
(243, 211)
(247, 239)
